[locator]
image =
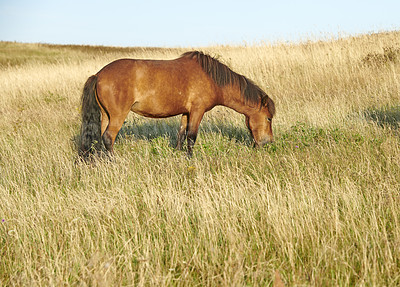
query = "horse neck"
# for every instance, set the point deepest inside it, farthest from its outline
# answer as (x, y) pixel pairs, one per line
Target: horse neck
(232, 98)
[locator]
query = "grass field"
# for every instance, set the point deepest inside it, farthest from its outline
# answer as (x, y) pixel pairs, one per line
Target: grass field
(321, 205)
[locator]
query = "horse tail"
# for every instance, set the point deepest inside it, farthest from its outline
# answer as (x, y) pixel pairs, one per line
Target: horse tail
(91, 120)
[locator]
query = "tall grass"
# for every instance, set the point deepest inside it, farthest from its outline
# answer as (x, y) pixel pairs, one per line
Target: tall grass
(320, 205)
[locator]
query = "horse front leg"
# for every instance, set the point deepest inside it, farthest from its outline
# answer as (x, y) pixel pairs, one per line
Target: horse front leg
(182, 131)
(193, 127)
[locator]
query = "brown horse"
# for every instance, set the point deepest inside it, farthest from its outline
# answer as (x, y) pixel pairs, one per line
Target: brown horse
(190, 85)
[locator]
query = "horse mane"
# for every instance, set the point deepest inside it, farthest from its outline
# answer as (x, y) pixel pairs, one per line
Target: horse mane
(222, 75)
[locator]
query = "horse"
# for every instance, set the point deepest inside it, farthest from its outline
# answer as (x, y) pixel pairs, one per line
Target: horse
(189, 86)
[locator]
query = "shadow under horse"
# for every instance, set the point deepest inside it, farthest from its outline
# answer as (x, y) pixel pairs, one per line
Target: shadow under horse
(150, 130)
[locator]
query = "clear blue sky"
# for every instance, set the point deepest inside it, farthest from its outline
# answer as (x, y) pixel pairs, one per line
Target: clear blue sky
(190, 23)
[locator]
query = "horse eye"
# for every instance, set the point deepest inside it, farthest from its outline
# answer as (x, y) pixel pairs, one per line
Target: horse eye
(269, 119)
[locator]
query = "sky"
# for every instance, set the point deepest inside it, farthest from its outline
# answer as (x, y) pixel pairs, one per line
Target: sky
(177, 23)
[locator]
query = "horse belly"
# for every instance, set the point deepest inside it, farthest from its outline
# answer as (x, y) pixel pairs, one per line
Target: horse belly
(158, 108)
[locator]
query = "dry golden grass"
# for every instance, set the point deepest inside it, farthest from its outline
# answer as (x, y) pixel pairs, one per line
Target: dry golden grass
(320, 205)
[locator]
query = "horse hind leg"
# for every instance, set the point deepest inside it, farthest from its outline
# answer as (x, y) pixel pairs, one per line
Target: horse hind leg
(111, 132)
(104, 121)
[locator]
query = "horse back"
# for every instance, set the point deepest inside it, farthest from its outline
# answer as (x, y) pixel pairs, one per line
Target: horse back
(156, 88)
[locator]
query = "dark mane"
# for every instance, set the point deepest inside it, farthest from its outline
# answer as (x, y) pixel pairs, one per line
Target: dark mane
(222, 75)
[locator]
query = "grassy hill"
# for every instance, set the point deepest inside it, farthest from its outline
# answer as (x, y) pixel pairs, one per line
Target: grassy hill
(320, 205)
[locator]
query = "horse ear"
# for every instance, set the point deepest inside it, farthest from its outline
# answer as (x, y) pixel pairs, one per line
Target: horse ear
(271, 105)
(264, 101)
